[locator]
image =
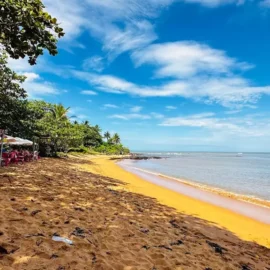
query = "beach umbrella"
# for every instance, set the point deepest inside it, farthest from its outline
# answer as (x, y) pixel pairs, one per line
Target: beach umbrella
(8, 139)
(20, 141)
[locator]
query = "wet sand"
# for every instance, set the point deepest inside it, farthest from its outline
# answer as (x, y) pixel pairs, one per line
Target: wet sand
(116, 221)
(249, 209)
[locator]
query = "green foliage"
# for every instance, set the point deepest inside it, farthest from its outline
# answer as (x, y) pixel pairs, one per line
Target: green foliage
(107, 136)
(12, 97)
(112, 149)
(81, 149)
(26, 29)
(57, 133)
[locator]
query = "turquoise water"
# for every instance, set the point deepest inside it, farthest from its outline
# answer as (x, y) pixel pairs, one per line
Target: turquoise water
(247, 173)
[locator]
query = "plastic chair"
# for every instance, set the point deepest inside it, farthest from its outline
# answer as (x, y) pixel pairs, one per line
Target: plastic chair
(6, 158)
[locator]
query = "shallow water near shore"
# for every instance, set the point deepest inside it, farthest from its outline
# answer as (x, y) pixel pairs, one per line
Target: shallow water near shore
(241, 173)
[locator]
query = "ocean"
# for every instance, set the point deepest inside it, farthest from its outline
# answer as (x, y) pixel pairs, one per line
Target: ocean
(240, 173)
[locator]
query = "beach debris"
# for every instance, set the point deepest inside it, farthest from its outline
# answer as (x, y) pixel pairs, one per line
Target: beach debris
(62, 239)
(54, 256)
(3, 251)
(165, 247)
(78, 209)
(146, 247)
(8, 249)
(61, 268)
(245, 267)
(34, 235)
(78, 232)
(174, 224)
(217, 248)
(1, 233)
(94, 259)
(177, 243)
(35, 212)
(39, 242)
(13, 199)
(144, 230)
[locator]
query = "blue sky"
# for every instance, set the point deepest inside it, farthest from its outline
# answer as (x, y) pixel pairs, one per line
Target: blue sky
(173, 75)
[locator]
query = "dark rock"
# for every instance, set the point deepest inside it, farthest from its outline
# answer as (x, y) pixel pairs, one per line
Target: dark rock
(177, 243)
(165, 247)
(144, 230)
(78, 232)
(79, 209)
(94, 259)
(13, 199)
(54, 256)
(245, 267)
(173, 223)
(145, 247)
(3, 251)
(35, 212)
(217, 248)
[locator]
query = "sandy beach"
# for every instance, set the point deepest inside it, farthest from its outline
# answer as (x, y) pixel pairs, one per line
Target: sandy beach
(116, 220)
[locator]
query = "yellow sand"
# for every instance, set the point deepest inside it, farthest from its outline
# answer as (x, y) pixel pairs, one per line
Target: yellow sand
(244, 227)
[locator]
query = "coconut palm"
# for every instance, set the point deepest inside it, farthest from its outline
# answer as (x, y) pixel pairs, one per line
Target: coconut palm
(107, 135)
(59, 112)
(116, 139)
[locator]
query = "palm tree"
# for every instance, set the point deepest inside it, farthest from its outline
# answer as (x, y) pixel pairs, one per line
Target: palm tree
(107, 135)
(59, 112)
(116, 138)
(86, 123)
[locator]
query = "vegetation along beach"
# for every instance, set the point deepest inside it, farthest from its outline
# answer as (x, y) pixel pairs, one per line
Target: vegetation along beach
(134, 135)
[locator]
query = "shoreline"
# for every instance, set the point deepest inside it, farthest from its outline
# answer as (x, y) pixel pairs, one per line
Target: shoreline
(219, 191)
(247, 209)
(244, 227)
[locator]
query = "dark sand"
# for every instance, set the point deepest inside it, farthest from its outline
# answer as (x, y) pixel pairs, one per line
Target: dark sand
(111, 228)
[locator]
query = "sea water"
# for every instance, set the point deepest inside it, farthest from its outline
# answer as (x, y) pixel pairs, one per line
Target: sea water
(241, 173)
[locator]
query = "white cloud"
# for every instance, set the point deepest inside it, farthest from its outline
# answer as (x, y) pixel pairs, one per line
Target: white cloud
(30, 76)
(94, 63)
(265, 3)
(36, 87)
(243, 126)
(130, 116)
(215, 3)
(232, 111)
(136, 109)
(186, 59)
(157, 115)
(171, 108)
(234, 92)
(101, 19)
(89, 92)
(112, 106)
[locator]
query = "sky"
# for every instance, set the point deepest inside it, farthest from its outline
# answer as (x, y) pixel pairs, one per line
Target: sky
(170, 75)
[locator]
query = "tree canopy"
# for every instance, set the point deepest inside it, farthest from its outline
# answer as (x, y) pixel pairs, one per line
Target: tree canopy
(12, 97)
(26, 29)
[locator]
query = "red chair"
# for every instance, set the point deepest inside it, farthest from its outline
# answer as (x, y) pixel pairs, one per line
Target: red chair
(6, 158)
(14, 156)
